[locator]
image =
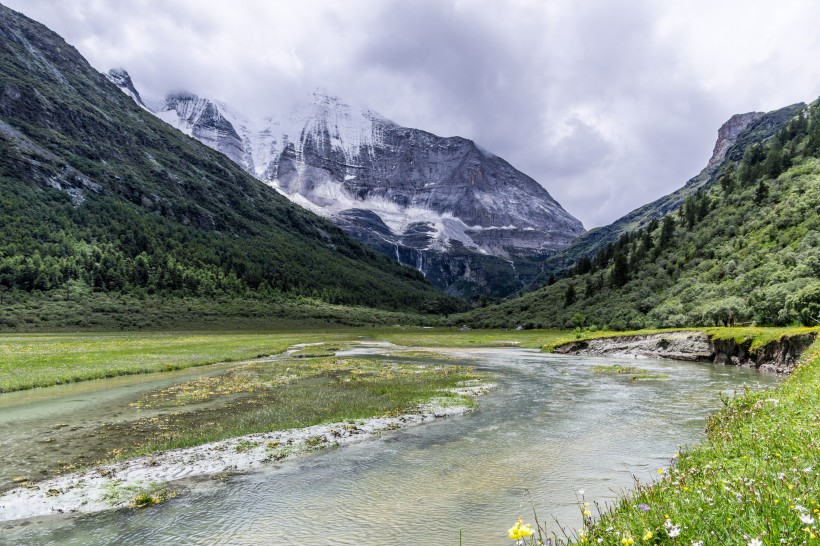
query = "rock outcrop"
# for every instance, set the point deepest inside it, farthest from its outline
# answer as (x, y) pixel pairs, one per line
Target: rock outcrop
(692, 346)
(728, 133)
(780, 356)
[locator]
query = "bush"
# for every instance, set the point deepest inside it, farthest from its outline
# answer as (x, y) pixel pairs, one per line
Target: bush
(805, 303)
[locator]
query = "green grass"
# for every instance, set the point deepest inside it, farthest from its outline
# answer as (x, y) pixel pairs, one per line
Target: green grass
(758, 335)
(451, 337)
(754, 477)
(39, 360)
(633, 373)
(262, 396)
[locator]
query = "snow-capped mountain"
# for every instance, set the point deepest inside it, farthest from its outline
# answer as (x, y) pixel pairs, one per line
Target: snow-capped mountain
(463, 216)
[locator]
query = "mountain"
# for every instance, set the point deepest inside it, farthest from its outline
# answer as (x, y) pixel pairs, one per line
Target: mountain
(734, 137)
(464, 217)
(740, 243)
(97, 195)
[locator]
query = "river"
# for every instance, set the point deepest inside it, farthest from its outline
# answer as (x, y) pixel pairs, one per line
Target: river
(553, 427)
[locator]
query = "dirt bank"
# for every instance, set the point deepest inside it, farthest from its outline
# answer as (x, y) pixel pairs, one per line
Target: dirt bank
(780, 356)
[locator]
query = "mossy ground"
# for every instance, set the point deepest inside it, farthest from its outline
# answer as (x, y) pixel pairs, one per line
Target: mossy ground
(259, 396)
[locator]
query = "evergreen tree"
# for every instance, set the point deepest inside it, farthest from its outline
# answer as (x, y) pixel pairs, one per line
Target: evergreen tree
(667, 231)
(569, 296)
(762, 193)
(583, 265)
(620, 270)
(727, 179)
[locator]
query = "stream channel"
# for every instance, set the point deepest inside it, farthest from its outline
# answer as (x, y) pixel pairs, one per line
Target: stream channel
(553, 426)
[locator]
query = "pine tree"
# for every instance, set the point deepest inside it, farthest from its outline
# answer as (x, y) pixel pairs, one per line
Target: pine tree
(667, 231)
(762, 193)
(569, 296)
(620, 270)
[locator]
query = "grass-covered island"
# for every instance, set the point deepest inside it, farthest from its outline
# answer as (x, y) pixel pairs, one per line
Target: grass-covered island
(284, 395)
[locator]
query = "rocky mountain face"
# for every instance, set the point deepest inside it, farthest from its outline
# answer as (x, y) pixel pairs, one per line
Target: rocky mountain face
(734, 137)
(465, 218)
(121, 78)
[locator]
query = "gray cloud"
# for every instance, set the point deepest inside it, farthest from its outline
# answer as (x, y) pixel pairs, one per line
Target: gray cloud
(609, 104)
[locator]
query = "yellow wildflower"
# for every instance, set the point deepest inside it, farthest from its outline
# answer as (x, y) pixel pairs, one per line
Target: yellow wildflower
(627, 541)
(519, 530)
(647, 534)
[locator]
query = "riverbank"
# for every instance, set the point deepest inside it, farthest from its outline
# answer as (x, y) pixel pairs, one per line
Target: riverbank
(151, 479)
(767, 349)
(754, 480)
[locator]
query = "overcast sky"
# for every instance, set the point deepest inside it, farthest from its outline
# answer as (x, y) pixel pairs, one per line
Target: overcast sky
(608, 104)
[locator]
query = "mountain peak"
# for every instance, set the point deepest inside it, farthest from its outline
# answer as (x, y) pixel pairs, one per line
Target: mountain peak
(121, 78)
(180, 95)
(442, 204)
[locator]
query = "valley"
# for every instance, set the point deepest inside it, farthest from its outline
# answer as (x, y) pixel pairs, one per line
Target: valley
(320, 325)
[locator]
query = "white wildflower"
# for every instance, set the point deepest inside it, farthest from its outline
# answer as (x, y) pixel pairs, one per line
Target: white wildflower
(671, 529)
(807, 519)
(755, 542)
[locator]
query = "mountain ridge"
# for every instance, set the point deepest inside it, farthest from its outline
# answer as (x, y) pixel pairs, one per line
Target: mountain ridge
(734, 137)
(348, 162)
(738, 244)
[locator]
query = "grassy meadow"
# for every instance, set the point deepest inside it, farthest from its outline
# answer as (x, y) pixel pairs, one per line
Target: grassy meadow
(39, 360)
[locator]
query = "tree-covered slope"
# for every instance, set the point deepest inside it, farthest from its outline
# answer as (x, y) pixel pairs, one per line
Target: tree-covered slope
(745, 249)
(734, 137)
(97, 193)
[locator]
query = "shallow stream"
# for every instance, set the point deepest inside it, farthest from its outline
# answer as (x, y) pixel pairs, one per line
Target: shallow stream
(553, 427)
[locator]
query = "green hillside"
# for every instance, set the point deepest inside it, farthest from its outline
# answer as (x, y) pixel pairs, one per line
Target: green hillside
(745, 248)
(597, 239)
(97, 195)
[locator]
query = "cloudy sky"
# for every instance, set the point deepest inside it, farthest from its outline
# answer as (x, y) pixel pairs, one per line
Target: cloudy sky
(608, 104)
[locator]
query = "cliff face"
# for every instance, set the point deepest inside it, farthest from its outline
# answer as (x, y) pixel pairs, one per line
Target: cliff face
(728, 133)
